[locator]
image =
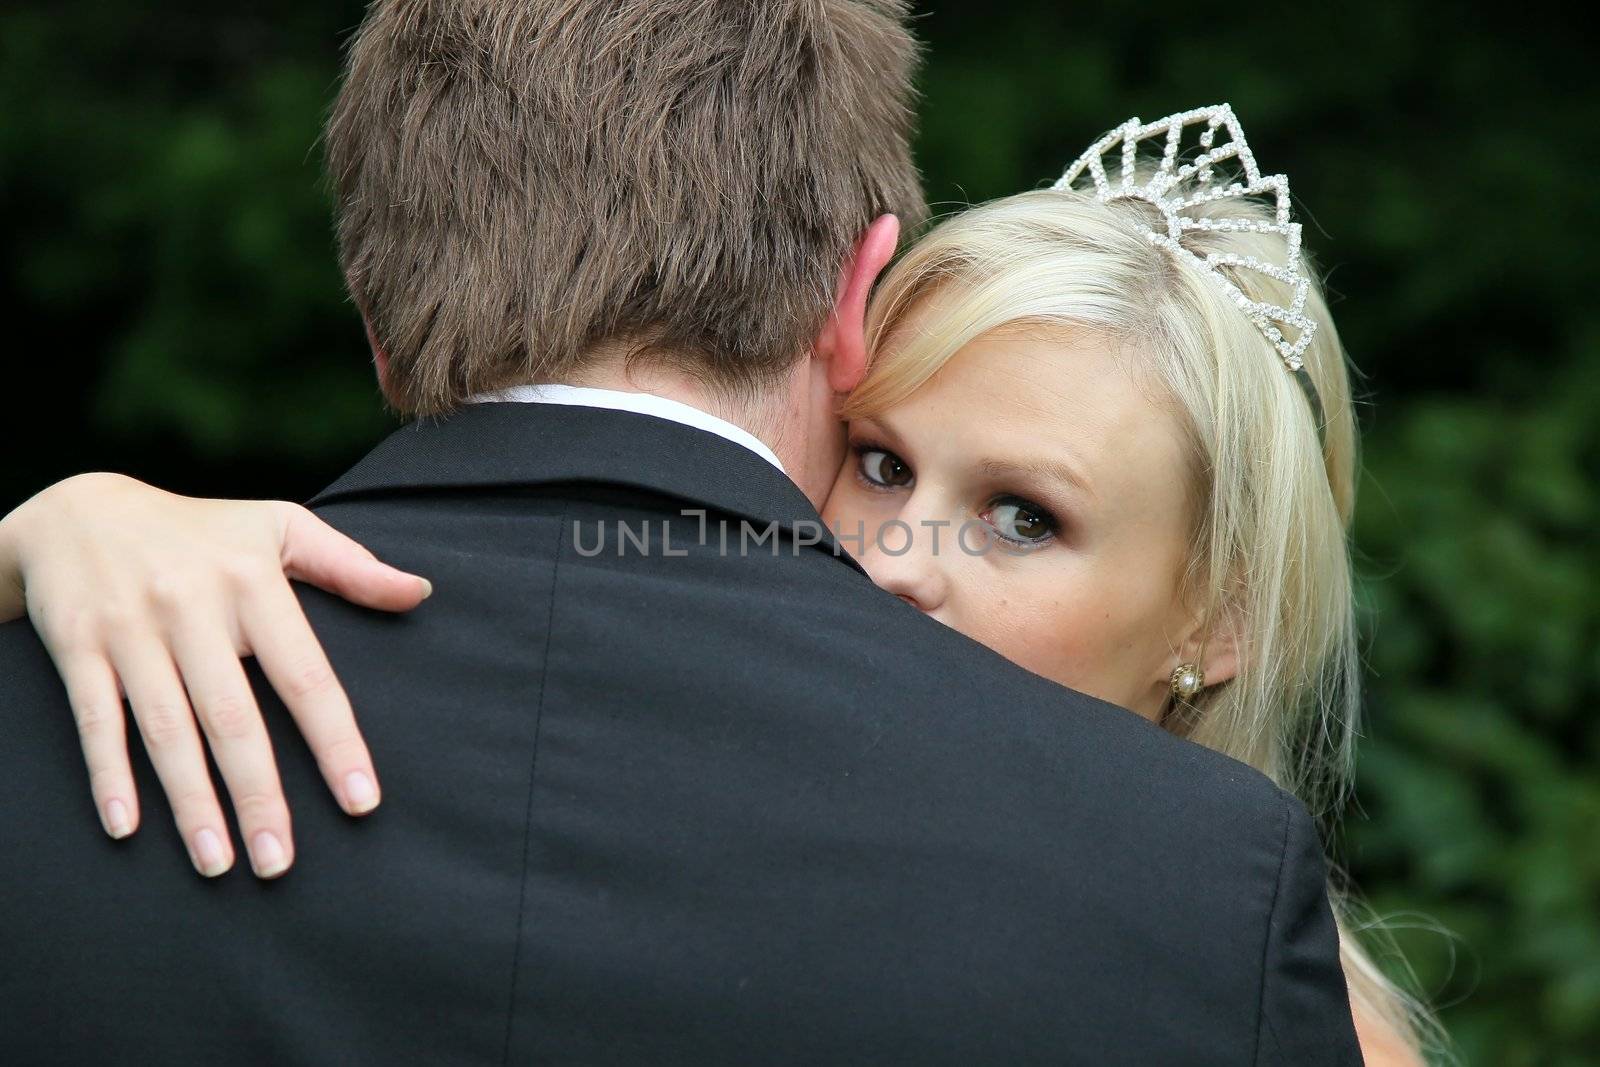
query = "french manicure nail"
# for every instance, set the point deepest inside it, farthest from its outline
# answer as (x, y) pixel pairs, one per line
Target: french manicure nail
(118, 825)
(359, 792)
(209, 858)
(267, 855)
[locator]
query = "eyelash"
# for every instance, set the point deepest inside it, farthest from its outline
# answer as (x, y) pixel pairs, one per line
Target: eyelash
(1024, 504)
(861, 448)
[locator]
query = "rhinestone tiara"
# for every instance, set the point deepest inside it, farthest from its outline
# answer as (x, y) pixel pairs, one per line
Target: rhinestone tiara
(1176, 186)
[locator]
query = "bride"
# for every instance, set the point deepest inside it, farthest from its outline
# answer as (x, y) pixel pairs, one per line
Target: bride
(1156, 325)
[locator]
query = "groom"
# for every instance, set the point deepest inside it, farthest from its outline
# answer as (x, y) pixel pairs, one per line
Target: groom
(699, 801)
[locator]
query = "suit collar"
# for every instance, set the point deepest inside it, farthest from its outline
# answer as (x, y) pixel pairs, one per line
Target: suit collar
(643, 403)
(507, 445)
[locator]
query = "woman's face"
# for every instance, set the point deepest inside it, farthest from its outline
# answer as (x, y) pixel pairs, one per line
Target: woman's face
(1042, 510)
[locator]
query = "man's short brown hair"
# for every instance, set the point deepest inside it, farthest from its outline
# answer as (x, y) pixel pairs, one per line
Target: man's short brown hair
(520, 181)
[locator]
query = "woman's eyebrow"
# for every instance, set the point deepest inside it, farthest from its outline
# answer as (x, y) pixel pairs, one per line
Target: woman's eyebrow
(1038, 467)
(877, 426)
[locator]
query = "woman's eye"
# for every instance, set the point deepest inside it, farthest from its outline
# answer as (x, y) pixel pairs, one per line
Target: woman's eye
(884, 468)
(1019, 520)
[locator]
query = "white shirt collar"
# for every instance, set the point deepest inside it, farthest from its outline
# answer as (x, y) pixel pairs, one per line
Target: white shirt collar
(641, 403)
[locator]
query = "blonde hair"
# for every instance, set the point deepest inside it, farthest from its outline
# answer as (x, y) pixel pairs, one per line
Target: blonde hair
(1270, 561)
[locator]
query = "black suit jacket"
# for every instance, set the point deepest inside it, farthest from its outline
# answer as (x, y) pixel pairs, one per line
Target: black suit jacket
(677, 805)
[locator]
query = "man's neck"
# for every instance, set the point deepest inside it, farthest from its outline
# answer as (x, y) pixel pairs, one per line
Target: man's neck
(778, 419)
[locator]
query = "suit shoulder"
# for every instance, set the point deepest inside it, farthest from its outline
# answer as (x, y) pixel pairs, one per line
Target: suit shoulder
(1094, 738)
(22, 655)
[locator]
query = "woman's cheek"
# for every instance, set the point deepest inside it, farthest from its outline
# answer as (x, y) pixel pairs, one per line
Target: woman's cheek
(837, 505)
(855, 513)
(1028, 615)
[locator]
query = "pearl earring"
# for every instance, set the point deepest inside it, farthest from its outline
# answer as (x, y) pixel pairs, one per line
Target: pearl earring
(1187, 681)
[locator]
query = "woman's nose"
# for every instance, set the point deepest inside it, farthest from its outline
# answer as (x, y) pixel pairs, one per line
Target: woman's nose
(903, 560)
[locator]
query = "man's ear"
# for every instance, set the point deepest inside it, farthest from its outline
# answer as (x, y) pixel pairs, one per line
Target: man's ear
(843, 340)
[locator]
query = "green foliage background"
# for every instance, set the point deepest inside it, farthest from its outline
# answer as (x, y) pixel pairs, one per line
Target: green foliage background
(176, 312)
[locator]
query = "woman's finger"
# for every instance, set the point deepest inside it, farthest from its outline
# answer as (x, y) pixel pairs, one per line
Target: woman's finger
(315, 552)
(102, 730)
(274, 626)
(226, 708)
(172, 739)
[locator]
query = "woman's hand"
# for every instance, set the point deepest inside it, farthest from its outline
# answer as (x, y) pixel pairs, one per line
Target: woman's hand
(140, 592)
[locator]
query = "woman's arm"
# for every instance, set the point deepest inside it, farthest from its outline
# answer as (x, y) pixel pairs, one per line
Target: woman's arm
(143, 594)
(1382, 1045)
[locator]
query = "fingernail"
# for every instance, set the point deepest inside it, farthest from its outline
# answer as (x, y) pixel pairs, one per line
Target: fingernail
(267, 855)
(427, 588)
(360, 795)
(209, 859)
(118, 825)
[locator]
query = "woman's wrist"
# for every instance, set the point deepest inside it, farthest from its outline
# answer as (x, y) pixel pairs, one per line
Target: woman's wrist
(30, 524)
(13, 602)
